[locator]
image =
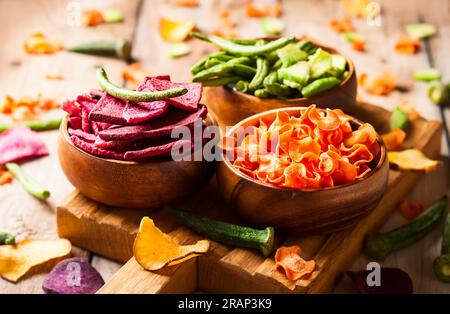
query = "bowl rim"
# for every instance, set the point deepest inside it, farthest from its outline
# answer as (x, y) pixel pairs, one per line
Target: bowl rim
(351, 70)
(381, 161)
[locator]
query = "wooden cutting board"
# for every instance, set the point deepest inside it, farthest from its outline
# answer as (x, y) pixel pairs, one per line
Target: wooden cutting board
(110, 232)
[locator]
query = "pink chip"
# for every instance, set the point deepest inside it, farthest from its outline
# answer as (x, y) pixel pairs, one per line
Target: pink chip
(188, 101)
(108, 110)
(71, 108)
(19, 143)
(94, 150)
(152, 151)
(143, 111)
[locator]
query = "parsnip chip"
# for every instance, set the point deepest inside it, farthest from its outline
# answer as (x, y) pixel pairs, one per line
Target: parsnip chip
(412, 159)
(175, 30)
(31, 255)
(154, 249)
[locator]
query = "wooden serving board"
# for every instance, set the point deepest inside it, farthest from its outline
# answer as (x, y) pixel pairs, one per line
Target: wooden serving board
(110, 232)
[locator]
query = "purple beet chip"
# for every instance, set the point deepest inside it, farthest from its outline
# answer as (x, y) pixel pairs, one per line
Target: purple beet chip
(86, 102)
(20, 142)
(85, 123)
(108, 110)
(160, 127)
(71, 108)
(158, 150)
(143, 111)
(188, 101)
(73, 276)
(94, 150)
(391, 281)
(75, 123)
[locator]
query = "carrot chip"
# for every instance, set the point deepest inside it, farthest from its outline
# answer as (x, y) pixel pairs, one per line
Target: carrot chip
(289, 260)
(38, 43)
(412, 159)
(411, 210)
(260, 10)
(187, 3)
(5, 177)
(154, 249)
(30, 256)
(381, 84)
(394, 139)
(406, 45)
(134, 74)
(343, 25)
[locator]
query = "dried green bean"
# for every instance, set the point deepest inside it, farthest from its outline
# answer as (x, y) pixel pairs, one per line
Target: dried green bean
(319, 86)
(35, 125)
(222, 81)
(29, 184)
(220, 69)
(262, 68)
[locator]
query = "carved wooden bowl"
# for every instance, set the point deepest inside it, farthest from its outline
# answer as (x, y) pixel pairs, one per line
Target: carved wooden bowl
(130, 184)
(301, 211)
(230, 106)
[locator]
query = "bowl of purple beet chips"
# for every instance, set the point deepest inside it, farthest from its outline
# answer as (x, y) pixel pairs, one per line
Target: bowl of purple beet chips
(119, 152)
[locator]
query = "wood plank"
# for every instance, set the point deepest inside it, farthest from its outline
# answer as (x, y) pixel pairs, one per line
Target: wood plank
(24, 75)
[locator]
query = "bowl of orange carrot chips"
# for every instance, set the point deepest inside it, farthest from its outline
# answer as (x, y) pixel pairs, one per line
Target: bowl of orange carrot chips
(303, 169)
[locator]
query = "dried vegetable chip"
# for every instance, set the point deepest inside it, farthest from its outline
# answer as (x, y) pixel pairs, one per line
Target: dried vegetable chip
(135, 73)
(187, 3)
(394, 139)
(226, 25)
(263, 10)
(289, 260)
(73, 276)
(357, 41)
(357, 8)
(154, 249)
(314, 149)
(343, 25)
(5, 177)
(381, 84)
(420, 30)
(38, 43)
(406, 45)
(412, 159)
(411, 210)
(31, 255)
(175, 30)
(92, 17)
(26, 108)
(19, 143)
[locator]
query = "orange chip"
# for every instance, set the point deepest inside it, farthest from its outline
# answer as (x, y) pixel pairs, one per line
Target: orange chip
(343, 25)
(406, 45)
(275, 10)
(358, 45)
(92, 17)
(357, 8)
(187, 3)
(411, 210)
(289, 260)
(38, 43)
(134, 74)
(5, 177)
(175, 30)
(381, 84)
(394, 139)
(226, 25)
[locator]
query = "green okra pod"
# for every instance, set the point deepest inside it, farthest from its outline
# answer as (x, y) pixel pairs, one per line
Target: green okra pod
(127, 94)
(119, 49)
(245, 50)
(441, 264)
(262, 68)
(6, 238)
(35, 125)
(378, 246)
(240, 236)
(319, 86)
(29, 184)
(222, 80)
(222, 69)
(242, 86)
(279, 90)
(262, 93)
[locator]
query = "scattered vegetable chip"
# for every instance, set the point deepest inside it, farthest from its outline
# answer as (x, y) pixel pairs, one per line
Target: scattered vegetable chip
(358, 42)
(272, 25)
(357, 8)
(420, 30)
(179, 49)
(381, 84)
(175, 30)
(394, 139)
(439, 93)
(19, 143)
(343, 25)
(112, 16)
(30, 256)
(135, 73)
(73, 276)
(154, 249)
(393, 281)
(399, 119)
(187, 3)
(289, 260)
(406, 45)
(5, 177)
(411, 210)
(262, 10)
(38, 43)
(412, 159)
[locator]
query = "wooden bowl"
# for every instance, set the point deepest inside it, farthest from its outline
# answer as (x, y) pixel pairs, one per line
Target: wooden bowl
(301, 211)
(230, 106)
(130, 184)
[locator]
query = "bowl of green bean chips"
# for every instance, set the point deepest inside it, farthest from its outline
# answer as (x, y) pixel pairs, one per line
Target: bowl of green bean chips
(249, 76)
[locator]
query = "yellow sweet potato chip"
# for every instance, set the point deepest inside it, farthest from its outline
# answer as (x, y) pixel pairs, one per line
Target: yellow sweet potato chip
(154, 249)
(29, 255)
(412, 159)
(175, 30)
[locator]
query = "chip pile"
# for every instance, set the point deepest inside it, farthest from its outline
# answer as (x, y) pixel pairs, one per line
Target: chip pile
(310, 150)
(109, 127)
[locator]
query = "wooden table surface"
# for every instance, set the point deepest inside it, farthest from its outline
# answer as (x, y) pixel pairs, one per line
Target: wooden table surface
(22, 74)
